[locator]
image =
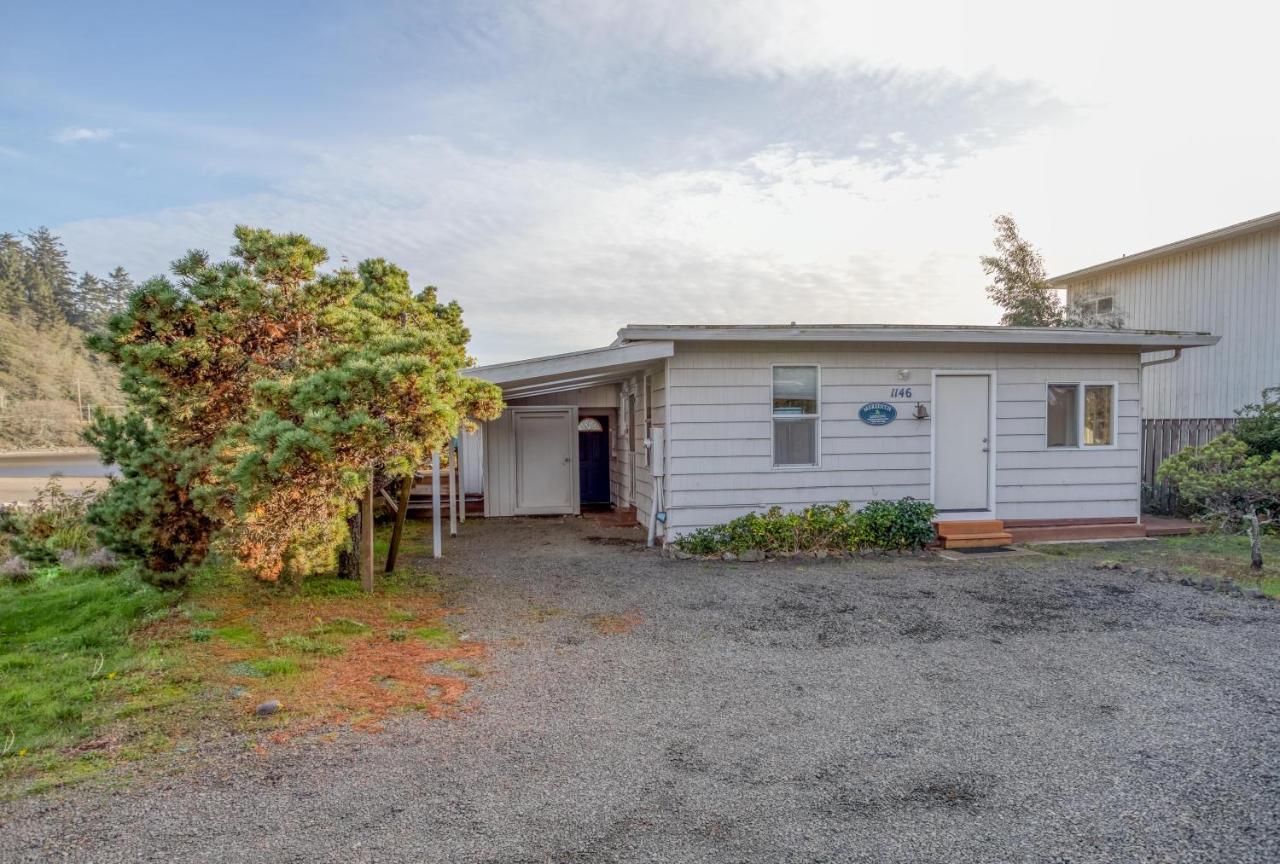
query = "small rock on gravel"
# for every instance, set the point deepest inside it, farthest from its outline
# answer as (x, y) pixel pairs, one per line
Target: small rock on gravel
(266, 709)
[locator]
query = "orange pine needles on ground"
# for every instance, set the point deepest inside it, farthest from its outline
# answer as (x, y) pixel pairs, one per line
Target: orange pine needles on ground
(350, 661)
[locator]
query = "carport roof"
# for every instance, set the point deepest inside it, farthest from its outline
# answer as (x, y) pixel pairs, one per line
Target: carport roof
(560, 372)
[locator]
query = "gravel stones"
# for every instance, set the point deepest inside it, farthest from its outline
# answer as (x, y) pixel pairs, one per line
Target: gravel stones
(860, 709)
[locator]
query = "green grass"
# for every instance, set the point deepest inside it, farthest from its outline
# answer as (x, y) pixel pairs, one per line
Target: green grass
(1199, 555)
(322, 587)
(237, 634)
(340, 627)
(307, 645)
(64, 649)
(264, 667)
(437, 635)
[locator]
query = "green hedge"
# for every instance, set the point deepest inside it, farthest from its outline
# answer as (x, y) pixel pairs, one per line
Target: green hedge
(881, 525)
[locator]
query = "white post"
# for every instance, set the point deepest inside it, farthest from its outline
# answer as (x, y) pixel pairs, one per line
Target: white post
(462, 493)
(435, 504)
(453, 492)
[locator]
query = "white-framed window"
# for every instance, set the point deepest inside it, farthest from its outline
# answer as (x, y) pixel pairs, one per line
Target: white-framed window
(1082, 414)
(1097, 302)
(795, 416)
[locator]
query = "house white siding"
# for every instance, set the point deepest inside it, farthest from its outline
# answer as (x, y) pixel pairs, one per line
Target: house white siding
(656, 391)
(718, 414)
(471, 459)
(1231, 289)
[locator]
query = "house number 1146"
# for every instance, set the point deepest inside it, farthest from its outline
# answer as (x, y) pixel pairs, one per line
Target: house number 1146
(900, 392)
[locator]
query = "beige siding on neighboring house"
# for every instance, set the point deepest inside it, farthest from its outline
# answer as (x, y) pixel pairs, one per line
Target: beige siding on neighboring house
(1231, 289)
(720, 462)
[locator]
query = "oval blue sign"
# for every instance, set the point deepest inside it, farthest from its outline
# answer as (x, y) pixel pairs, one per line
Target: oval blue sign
(877, 413)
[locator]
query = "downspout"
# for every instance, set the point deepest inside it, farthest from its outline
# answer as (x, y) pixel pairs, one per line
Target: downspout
(1143, 364)
(1177, 355)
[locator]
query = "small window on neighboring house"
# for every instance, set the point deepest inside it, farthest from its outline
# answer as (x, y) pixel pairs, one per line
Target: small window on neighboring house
(590, 424)
(1080, 415)
(795, 415)
(1096, 302)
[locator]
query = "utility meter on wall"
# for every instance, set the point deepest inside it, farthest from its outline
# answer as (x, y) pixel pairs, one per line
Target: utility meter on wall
(657, 451)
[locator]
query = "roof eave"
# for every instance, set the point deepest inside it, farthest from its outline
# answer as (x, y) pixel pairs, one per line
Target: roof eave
(1149, 340)
(1230, 232)
(596, 365)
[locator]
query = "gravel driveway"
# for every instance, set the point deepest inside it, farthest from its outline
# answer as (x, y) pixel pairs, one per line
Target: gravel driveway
(634, 708)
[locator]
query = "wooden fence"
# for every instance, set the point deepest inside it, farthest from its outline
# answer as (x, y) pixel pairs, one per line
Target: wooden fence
(1163, 438)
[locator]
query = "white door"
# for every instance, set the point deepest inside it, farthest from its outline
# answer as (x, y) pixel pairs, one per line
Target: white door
(546, 460)
(962, 442)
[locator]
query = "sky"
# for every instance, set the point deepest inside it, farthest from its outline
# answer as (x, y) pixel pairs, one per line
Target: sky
(565, 168)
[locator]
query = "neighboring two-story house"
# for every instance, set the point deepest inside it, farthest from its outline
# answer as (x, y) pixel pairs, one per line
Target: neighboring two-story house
(1226, 282)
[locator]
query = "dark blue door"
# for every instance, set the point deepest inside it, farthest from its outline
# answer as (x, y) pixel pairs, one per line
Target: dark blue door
(593, 460)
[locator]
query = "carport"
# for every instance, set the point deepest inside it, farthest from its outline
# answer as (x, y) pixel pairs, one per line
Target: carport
(574, 432)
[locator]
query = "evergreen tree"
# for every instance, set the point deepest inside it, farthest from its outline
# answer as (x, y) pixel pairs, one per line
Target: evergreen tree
(50, 281)
(117, 290)
(13, 269)
(269, 396)
(1019, 284)
(88, 302)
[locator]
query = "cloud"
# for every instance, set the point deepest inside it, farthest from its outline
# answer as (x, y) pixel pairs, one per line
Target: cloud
(74, 134)
(550, 255)
(582, 165)
(664, 85)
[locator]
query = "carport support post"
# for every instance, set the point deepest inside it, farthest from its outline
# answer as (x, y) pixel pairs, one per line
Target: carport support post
(435, 504)
(462, 493)
(366, 537)
(453, 492)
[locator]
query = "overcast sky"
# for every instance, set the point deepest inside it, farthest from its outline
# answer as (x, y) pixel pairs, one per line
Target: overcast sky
(568, 167)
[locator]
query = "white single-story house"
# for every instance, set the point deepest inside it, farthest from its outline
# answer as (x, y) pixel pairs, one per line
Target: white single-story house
(692, 425)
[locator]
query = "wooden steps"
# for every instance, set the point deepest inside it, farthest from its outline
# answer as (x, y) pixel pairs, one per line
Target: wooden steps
(1080, 531)
(972, 534)
(991, 533)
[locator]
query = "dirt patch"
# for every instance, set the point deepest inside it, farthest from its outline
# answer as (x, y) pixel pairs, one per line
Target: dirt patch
(614, 624)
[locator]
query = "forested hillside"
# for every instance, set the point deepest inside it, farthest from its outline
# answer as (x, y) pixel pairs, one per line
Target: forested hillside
(49, 380)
